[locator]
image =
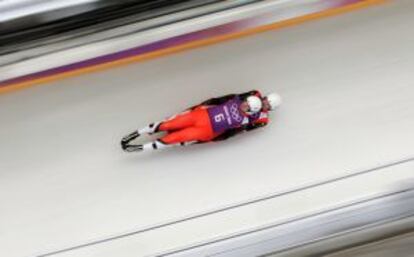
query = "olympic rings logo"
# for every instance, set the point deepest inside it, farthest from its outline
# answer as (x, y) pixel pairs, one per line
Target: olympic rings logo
(235, 114)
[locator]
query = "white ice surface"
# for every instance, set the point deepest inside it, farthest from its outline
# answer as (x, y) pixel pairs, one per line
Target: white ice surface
(348, 89)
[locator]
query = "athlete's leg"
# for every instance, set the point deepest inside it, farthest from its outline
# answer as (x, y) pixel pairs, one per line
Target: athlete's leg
(180, 121)
(201, 130)
(174, 123)
(195, 127)
(190, 134)
(182, 137)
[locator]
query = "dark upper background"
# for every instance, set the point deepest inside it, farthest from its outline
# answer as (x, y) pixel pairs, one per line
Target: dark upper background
(20, 30)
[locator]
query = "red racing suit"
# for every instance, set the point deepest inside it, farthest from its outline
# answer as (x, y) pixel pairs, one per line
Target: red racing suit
(213, 120)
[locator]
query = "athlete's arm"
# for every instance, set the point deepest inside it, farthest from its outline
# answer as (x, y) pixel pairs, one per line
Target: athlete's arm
(233, 132)
(223, 99)
(244, 96)
(256, 125)
(218, 100)
(214, 101)
(228, 134)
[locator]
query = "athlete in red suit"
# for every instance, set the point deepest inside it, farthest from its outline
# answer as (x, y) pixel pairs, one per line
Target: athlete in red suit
(213, 120)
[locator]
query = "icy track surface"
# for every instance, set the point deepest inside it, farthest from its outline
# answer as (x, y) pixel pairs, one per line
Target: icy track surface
(348, 89)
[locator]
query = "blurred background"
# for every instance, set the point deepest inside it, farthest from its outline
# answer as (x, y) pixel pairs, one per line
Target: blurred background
(332, 175)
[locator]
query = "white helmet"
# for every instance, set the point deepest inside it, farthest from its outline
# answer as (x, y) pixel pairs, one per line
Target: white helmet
(274, 100)
(255, 103)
